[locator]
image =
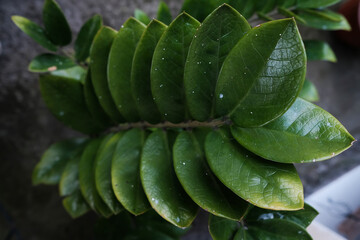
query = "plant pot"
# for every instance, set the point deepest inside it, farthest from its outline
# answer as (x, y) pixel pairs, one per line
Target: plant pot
(351, 10)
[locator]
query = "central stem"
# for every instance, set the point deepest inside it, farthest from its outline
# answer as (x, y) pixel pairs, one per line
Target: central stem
(216, 123)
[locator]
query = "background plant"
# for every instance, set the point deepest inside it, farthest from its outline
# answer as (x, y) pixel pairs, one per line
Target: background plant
(87, 115)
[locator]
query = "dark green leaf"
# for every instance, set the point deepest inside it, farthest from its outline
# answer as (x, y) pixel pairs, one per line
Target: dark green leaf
(319, 50)
(140, 74)
(288, 13)
(242, 234)
(160, 183)
(48, 62)
(86, 37)
(114, 228)
(324, 19)
(103, 171)
(167, 70)
(87, 179)
(65, 99)
(277, 229)
(263, 183)
(54, 160)
(125, 172)
(93, 104)
(245, 7)
(164, 14)
(309, 92)
(200, 9)
(77, 73)
(315, 4)
(119, 67)
(262, 75)
(56, 26)
(302, 217)
(141, 16)
(69, 181)
(75, 204)
(34, 31)
(222, 228)
(99, 54)
(199, 182)
(305, 133)
(215, 38)
(265, 6)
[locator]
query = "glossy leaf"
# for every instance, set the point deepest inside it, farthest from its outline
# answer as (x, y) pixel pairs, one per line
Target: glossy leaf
(65, 99)
(93, 104)
(119, 67)
(302, 217)
(324, 19)
(222, 228)
(54, 160)
(75, 205)
(86, 36)
(215, 38)
(305, 133)
(309, 92)
(34, 31)
(140, 74)
(261, 88)
(87, 179)
(160, 183)
(263, 183)
(244, 7)
(76, 73)
(99, 54)
(125, 172)
(69, 181)
(167, 70)
(103, 172)
(142, 16)
(200, 9)
(56, 25)
(48, 62)
(319, 50)
(199, 182)
(164, 14)
(315, 4)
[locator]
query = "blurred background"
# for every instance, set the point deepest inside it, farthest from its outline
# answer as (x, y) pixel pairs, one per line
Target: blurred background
(27, 128)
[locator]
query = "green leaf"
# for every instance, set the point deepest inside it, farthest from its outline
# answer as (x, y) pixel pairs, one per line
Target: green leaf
(65, 99)
(302, 217)
(140, 74)
(200, 9)
(164, 14)
(242, 234)
(245, 7)
(86, 37)
(119, 67)
(167, 70)
(215, 38)
(305, 133)
(75, 205)
(141, 16)
(34, 31)
(125, 172)
(103, 171)
(315, 4)
(263, 183)
(54, 160)
(56, 25)
(76, 73)
(222, 228)
(116, 227)
(265, 6)
(288, 13)
(262, 75)
(87, 179)
(324, 19)
(309, 92)
(168, 197)
(48, 62)
(93, 104)
(199, 182)
(319, 50)
(277, 229)
(69, 181)
(99, 54)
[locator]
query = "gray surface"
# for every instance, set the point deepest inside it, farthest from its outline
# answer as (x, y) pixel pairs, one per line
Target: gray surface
(27, 128)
